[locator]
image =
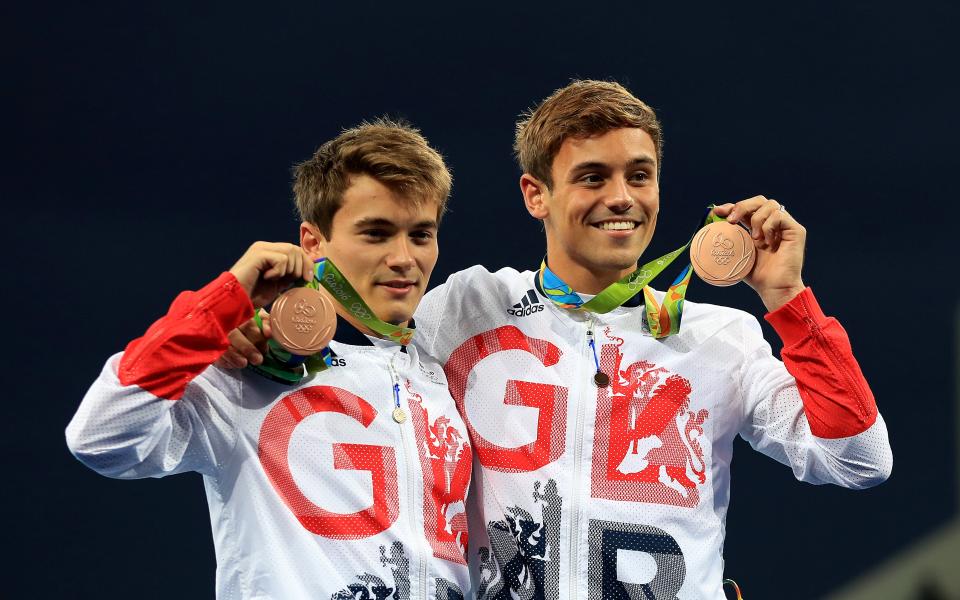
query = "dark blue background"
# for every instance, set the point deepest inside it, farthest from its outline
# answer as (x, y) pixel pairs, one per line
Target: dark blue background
(146, 145)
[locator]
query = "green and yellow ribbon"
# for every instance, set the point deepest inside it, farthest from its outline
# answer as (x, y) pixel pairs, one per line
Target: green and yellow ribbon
(662, 320)
(329, 276)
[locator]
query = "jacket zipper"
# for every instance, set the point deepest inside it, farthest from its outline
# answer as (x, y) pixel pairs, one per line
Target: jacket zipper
(411, 485)
(572, 575)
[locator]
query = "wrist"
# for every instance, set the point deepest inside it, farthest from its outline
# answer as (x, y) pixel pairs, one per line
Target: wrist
(242, 276)
(774, 298)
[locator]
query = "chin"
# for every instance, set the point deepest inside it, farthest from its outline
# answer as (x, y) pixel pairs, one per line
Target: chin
(616, 262)
(397, 320)
(396, 316)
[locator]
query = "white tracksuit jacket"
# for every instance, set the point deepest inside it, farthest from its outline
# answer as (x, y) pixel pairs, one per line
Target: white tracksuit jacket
(314, 490)
(592, 493)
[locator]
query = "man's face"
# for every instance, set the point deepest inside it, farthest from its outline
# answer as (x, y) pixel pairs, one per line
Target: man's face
(385, 246)
(602, 210)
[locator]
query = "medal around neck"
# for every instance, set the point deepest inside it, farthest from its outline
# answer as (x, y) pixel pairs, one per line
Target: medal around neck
(303, 321)
(722, 253)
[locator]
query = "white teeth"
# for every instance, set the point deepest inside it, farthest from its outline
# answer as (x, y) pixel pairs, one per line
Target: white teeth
(617, 225)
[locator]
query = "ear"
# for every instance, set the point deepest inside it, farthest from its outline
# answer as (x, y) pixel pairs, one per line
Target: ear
(535, 195)
(312, 241)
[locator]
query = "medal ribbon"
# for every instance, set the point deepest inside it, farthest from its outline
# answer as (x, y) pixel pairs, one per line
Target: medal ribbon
(663, 320)
(736, 588)
(329, 276)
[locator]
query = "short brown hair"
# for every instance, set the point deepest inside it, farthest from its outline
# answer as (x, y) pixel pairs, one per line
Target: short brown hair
(392, 152)
(582, 109)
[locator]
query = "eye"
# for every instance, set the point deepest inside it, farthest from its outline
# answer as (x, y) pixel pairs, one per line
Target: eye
(640, 176)
(422, 236)
(591, 179)
(375, 234)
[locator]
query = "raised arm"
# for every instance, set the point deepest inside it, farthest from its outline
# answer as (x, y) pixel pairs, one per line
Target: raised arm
(159, 408)
(815, 411)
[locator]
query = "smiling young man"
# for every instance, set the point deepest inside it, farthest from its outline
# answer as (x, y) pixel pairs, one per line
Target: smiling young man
(349, 482)
(604, 445)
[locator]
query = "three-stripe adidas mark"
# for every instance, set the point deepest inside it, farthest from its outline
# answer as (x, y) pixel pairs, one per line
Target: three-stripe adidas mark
(527, 306)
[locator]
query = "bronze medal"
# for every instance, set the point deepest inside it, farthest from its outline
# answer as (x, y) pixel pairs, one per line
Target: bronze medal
(303, 321)
(601, 379)
(722, 253)
(398, 415)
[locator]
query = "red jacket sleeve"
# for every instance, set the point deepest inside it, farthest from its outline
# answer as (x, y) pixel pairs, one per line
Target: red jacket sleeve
(816, 351)
(190, 338)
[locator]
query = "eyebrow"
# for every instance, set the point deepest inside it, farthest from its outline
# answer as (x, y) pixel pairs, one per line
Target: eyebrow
(381, 222)
(642, 161)
(426, 224)
(584, 166)
(639, 161)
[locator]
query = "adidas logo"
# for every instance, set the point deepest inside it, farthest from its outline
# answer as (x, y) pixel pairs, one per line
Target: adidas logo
(526, 307)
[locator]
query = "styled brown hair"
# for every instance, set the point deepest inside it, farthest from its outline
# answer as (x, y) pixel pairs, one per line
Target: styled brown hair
(582, 109)
(392, 152)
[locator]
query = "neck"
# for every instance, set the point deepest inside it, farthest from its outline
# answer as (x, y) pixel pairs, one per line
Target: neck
(346, 316)
(581, 278)
(358, 325)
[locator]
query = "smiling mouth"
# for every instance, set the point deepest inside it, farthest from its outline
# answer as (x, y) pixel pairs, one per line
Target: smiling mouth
(616, 225)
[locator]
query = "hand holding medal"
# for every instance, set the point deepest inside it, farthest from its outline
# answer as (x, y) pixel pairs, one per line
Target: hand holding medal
(303, 320)
(266, 268)
(779, 242)
(723, 252)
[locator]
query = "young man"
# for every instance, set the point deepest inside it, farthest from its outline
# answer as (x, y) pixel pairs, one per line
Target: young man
(351, 482)
(603, 452)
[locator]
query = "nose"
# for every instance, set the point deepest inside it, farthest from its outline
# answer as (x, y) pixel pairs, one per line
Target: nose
(400, 258)
(619, 201)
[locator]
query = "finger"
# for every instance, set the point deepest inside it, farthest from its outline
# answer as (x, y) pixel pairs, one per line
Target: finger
(253, 333)
(277, 247)
(231, 359)
(277, 262)
(307, 266)
(239, 344)
(777, 238)
(267, 329)
(227, 360)
(293, 262)
(771, 227)
(759, 217)
(297, 260)
(778, 222)
(722, 210)
(744, 209)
